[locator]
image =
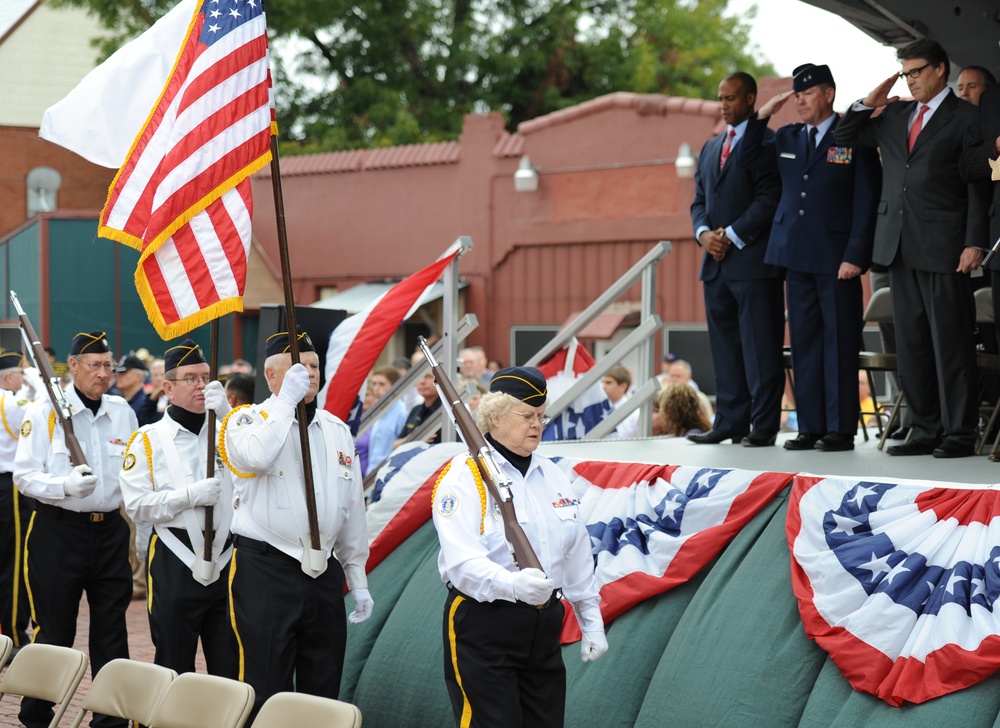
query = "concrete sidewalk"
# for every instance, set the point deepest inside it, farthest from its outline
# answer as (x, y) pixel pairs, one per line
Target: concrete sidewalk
(139, 645)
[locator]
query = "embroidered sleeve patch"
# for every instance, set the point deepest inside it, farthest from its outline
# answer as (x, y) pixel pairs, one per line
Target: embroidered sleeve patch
(25, 428)
(129, 462)
(243, 419)
(448, 504)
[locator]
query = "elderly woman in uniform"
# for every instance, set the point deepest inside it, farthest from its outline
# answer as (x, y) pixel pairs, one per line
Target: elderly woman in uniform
(503, 663)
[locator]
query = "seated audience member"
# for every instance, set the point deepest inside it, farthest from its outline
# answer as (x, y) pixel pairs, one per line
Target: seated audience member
(239, 389)
(431, 403)
(680, 412)
(361, 442)
(388, 425)
(616, 384)
(241, 366)
(680, 371)
(472, 390)
(495, 365)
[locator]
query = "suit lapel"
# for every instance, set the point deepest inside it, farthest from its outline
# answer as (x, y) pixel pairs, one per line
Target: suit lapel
(941, 117)
(717, 156)
(826, 141)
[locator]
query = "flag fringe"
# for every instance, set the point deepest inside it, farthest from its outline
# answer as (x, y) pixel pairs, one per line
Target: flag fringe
(168, 331)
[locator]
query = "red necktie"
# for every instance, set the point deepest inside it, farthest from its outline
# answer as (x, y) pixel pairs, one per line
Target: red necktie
(918, 124)
(725, 148)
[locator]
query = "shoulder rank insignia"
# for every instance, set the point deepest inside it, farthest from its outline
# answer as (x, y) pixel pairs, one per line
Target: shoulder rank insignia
(839, 155)
(345, 460)
(129, 462)
(448, 504)
(25, 428)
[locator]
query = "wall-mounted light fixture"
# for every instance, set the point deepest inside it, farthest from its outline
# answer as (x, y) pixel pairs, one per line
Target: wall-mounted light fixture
(526, 176)
(685, 162)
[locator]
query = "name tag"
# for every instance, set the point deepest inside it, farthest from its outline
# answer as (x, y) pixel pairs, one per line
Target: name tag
(839, 155)
(787, 155)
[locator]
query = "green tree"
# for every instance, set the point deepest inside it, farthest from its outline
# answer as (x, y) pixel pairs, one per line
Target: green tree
(384, 72)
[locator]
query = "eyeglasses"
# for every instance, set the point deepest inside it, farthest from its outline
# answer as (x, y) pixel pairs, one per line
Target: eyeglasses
(531, 417)
(191, 380)
(913, 72)
(96, 366)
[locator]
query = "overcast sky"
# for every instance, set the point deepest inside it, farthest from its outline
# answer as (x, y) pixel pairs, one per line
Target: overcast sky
(791, 32)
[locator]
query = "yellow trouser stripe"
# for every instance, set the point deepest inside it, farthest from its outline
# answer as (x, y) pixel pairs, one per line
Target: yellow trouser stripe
(27, 579)
(466, 707)
(149, 572)
(232, 614)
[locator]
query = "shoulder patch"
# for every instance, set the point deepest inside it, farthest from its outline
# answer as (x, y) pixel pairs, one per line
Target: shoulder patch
(243, 419)
(25, 428)
(23, 402)
(448, 504)
(129, 462)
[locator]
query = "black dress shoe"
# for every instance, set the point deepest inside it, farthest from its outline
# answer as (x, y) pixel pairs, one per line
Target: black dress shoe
(835, 442)
(911, 448)
(760, 438)
(805, 441)
(952, 449)
(713, 437)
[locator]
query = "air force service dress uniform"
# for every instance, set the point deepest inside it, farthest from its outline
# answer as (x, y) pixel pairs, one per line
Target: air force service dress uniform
(187, 596)
(288, 610)
(76, 544)
(15, 513)
(502, 658)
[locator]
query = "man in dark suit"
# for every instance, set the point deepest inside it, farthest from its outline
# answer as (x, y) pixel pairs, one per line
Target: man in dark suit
(732, 211)
(822, 236)
(927, 234)
(976, 165)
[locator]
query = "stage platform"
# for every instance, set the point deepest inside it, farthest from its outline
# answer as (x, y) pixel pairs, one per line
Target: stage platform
(865, 461)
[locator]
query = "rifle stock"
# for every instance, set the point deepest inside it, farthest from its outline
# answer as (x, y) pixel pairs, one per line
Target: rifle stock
(58, 398)
(483, 457)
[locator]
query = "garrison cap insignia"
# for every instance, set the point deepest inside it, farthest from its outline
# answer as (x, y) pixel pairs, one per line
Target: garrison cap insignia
(129, 462)
(448, 504)
(25, 428)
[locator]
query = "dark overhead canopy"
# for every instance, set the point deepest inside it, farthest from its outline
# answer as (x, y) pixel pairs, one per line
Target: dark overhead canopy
(968, 29)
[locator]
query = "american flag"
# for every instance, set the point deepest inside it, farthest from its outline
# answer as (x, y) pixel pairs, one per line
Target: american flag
(899, 581)
(561, 370)
(182, 197)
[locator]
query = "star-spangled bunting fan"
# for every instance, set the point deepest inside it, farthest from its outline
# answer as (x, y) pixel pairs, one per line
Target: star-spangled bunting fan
(652, 527)
(899, 581)
(561, 370)
(182, 196)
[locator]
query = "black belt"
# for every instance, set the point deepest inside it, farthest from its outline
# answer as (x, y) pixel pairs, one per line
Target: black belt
(261, 547)
(66, 515)
(553, 599)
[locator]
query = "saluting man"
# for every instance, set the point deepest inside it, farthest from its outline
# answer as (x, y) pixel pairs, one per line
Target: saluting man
(288, 598)
(15, 509)
(164, 483)
(502, 659)
(77, 539)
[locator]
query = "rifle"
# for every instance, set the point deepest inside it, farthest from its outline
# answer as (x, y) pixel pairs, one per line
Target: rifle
(52, 384)
(484, 459)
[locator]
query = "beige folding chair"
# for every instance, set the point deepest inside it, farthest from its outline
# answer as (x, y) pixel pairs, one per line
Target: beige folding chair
(285, 710)
(46, 672)
(6, 645)
(879, 310)
(127, 689)
(194, 700)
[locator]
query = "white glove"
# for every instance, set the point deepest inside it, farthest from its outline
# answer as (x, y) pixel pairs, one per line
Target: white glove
(216, 400)
(33, 384)
(204, 492)
(592, 646)
(81, 482)
(295, 385)
(363, 606)
(533, 587)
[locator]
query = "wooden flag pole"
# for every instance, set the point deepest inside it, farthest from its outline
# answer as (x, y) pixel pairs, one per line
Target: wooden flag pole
(213, 373)
(293, 342)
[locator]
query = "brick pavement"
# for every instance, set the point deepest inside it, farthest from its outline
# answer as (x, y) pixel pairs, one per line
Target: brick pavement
(139, 645)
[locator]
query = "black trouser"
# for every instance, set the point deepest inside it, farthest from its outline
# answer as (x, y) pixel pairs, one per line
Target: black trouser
(181, 610)
(15, 512)
(503, 664)
(291, 628)
(68, 554)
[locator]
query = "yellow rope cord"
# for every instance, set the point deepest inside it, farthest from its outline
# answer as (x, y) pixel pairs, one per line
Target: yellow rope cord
(221, 447)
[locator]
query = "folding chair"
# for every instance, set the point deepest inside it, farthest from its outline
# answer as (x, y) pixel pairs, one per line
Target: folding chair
(879, 310)
(46, 672)
(298, 709)
(6, 645)
(988, 364)
(194, 700)
(127, 689)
